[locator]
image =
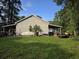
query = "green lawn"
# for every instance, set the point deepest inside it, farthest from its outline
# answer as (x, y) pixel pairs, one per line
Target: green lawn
(44, 47)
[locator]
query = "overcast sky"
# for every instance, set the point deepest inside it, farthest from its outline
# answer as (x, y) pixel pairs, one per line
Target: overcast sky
(43, 8)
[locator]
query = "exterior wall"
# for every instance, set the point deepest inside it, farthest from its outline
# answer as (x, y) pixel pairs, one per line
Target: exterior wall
(24, 25)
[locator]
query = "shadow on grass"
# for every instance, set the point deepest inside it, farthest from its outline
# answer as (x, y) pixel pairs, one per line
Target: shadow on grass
(11, 38)
(35, 50)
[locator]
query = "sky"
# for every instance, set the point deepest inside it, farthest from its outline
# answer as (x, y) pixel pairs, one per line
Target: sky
(44, 8)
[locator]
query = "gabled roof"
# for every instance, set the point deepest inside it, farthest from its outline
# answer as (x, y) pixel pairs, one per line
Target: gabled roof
(23, 19)
(28, 18)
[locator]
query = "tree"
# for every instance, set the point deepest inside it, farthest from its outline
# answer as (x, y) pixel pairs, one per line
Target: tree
(36, 29)
(30, 28)
(9, 12)
(2, 19)
(22, 17)
(69, 14)
(12, 7)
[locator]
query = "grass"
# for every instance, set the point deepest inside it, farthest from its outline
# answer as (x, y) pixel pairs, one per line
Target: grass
(44, 47)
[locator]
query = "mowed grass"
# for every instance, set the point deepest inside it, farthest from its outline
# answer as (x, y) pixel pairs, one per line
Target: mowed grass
(43, 47)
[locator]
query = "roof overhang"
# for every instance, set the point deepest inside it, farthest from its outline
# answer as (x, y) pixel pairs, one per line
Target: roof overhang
(9, 25)
(55, 26)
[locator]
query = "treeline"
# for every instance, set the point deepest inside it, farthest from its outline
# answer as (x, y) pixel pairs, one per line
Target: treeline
(68, 16)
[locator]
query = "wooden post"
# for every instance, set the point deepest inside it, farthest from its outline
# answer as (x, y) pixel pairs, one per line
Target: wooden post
(60, 30)
(3, 29)
(9, 32)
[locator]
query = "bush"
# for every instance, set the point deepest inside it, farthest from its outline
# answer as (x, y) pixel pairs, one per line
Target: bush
(76, 38)
(64, 36)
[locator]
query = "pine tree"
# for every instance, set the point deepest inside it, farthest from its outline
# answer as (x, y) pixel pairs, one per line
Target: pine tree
(11, 10)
